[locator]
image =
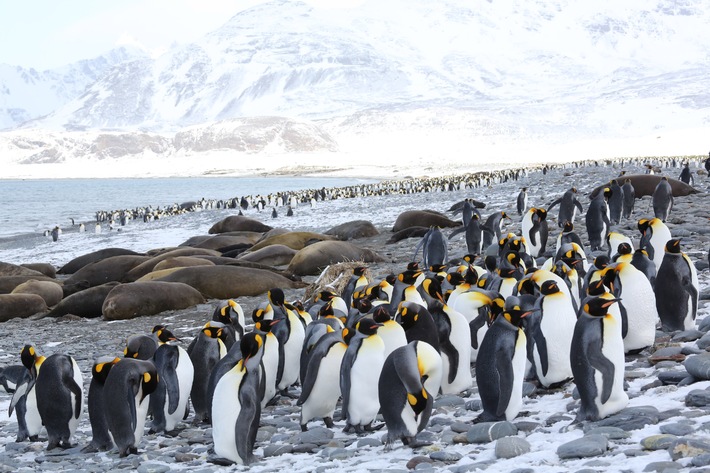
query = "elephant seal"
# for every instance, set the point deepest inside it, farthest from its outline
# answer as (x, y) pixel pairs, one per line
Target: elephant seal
(294, 240)
(86, 303)
(423, 218)
(353, 230)
(9, 283)
(211, 241)
(45, 268)
(79, 262)
(160, 273)
(645, 184)
(127, 301)
(228, 282)
(238, 223)
(148, 265)
(314, 258)
(410, 232)
(50, 291)
(19, 306)
(272, 255)
(9, 269)
(113, 268)
(181, 262)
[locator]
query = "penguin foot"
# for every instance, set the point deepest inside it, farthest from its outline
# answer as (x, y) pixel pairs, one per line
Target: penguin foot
(91, 448)
(65, 445)
(328, 421)
(304, 428)
(220, 461)
(285, 392)
(373, 428)
(34, 438)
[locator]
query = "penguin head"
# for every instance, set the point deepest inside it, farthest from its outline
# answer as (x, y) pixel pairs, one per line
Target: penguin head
(276, 296)
(607, 192)
(413, 266)
(364, 306)
(541, 213)
(250, 344)
(381, 315)
(102, 367)
(213, 331)
(574, 190)
(491, 263)
(367, 327)
(515, 316)
(221, 314)
(624, 249)
(527, 286)
(411, 276)
(359, 271)
(643, 225)
(673, 246)
(601, 261)
(417, 401)
(266, 325)
(437, 268)
(454, 279)
(598, 306)
(549, 287)
(31, 359)
(164, 335)
(567, 226)
(432, 286)
(504, 215)
(325, 295)
(149, 382)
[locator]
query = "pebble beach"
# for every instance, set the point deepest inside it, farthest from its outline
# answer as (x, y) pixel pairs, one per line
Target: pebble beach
(665, 428)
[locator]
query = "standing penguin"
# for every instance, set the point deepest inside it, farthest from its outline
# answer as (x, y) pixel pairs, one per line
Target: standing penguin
(205, 351)
(24, 399)
(321, 384)
(474, 236)
(568, 206)
(534, 230)
(391, 332)
(175, 376)
(522, 201)
(407, 387)
(597, 219)
(552, 335)
(676, 289)
(231, 313)
(126, 397)
(434, 247)
(598, 360)
(654, 236)
(616, 202)
(662, 199)
(291, 334)
(500, 367)
(418, 323)
(629, 198)
(686, 176)
(359, 374)
(236, 406)
(494, 224)
(100, 437)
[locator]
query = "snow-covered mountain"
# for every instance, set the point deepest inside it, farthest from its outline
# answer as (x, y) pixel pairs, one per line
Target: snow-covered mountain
(551, 70)
(27, 94)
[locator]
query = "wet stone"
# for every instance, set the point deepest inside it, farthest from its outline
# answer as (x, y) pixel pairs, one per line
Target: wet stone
(631, 418)
(527, 426)
(704, 341)
(587, 446)
(276, 450)
(488, 431)
(665, 466)
(698, 366)
(474, 405)
(697, 398)
(510, 447)
(612, 433)
(336, 453)
(449, 400)
(687, 336)
(153, 468)
(460, 427)
(658, 442)
(316, 435)
(679, 429)
(444, 456)
(368, 442)
(687, 447)
(672, 376)
(701, 460)
(414, 461)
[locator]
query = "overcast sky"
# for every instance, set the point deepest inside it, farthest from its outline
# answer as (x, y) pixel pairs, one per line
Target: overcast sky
(49, 33)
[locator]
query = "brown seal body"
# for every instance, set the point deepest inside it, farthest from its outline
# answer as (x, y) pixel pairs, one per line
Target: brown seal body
(409, 232)
(235, 223)
(50, 291)
(353, 230)
(80, 261)
(148, 265)
(645, 184)
(423, 218)
(127, 301)
(294, 240)
(87, 303)
(181, 262)
(9, 269)
(9, 283)
(228, 282)
(45, 268)
(14, 306)
(113, 268)
(314, 258)
(272, 255)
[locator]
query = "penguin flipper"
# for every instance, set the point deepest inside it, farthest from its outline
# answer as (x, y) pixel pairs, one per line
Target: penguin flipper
(310, 379)
(345, 367)
(131, 400)
(578, 205)
(602, 364)
(534, 231)
(476, 324)
(624, 320)
(554, 203)
(172, 384)
(407, 370)
(247, 423)
(456, 232)
(70, 382)
(20, 392)
(541, 344)
(504, 367)
(449, 350)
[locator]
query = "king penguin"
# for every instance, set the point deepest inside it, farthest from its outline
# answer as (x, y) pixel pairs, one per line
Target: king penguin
(568, 206)
(598, 360)
(24, 399)
(629, 198)
(236, 406)
(205, 351)
(676, 289)
(654, 236)
(175, 376)
(662, 199)
(100, 437)
(534, 230)
(500, 367)
(522, 201)
(359, 374)
(407, 386)
(597, 219)
(126, 397)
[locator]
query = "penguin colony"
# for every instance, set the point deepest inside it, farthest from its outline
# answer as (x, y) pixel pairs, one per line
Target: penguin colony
(518, 308)
(116, 219)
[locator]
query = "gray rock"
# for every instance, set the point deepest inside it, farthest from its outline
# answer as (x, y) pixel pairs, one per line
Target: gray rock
(488, 431)
(153, 468)
(527, 426)
(663, 466)
(449, 400)
(587, 446)
(509, 447)
(631, 418)
(677, 428)
(704, 341)
(474, 405)
(368, 442)
(658, 442)
(697, 398)
(315, 435)
(612, 433)
(446, 457)
(414, 461)
(704, 324)
(688, 447)
(687, 336)
(275, 450)
(698, 366)
(460, 427)
(701, 460)
(672, 376)
(336, 453)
